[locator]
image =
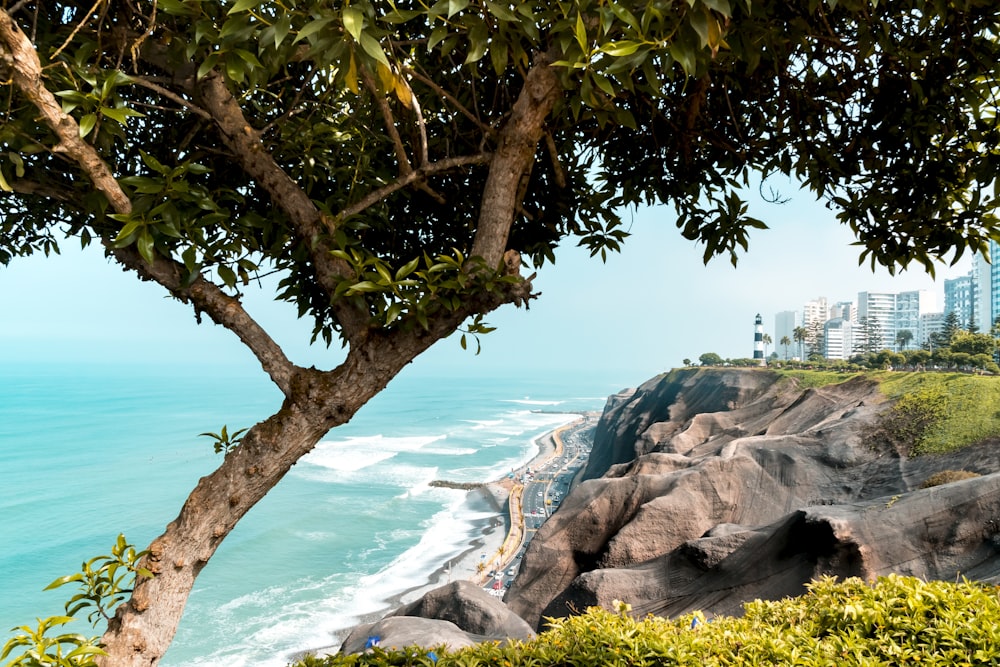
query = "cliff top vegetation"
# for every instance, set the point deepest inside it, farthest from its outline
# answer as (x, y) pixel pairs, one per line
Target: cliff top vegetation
(895, 620)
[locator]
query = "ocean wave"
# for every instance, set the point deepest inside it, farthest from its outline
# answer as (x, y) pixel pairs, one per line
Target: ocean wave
(358, 453)
(528, 401)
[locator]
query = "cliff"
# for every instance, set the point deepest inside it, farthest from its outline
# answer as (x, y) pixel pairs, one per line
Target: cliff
(709, 487)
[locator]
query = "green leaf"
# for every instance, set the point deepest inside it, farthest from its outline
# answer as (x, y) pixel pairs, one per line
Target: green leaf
(281, 29)
(87, 124)
(354, 21)
(581, 34)
(244, 5)
(227, 275)
(455, 6)
(623, 48)
(373, 49)
(145, 244)
(119, 114)
(407, 269)
(4, 185)
(501, 12)
(313, 27)
(721, 6)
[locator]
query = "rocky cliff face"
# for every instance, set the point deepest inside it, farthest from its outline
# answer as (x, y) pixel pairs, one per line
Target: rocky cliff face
(709, 487)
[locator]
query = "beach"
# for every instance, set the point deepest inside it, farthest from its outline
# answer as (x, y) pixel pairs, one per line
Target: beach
(492, 498)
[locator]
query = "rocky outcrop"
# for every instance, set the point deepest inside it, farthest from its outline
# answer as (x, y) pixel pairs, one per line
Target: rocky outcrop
(455, 615)
(707, 488)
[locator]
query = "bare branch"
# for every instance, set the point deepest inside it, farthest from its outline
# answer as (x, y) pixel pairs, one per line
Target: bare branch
(388, 119)
(222, 308)
(485, 129)
(170, 95)
(413, 177)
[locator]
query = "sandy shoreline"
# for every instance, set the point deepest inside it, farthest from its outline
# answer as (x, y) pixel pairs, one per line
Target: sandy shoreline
(493, 499)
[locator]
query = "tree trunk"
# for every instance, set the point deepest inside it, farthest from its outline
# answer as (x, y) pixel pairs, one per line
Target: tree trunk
(143, 628)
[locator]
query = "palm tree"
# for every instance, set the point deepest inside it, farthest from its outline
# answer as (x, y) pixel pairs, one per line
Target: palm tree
(800, 334)
(766, 338)
(786, 341)
(903, 338)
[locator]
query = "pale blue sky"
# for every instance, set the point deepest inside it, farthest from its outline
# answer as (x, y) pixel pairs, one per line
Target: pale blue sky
(644, 310)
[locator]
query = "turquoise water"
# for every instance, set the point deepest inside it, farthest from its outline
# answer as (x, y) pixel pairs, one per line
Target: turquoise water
(88, 452)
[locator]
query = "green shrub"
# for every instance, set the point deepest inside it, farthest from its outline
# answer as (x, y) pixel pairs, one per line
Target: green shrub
(897, 620)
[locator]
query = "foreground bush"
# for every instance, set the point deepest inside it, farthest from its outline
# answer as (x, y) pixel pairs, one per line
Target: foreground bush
(896, 621)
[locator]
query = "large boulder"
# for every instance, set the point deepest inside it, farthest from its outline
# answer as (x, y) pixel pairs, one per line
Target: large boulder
(398, 632)
(470, 608)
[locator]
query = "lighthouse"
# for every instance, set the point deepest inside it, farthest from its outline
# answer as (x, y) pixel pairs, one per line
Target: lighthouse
(758, 340)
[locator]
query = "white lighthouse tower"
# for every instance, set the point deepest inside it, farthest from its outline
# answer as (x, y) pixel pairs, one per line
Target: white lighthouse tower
(758, 341)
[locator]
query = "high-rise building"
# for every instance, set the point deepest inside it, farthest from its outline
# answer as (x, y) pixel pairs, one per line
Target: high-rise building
(785, 323)
(878, 310)
(994, 293)
(909, 307)
(838, 339)
(844, 310)
(931, 323)
(982, 293)
(815, 312)
(958, 298)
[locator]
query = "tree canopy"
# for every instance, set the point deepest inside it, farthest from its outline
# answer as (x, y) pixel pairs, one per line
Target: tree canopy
(397, 164)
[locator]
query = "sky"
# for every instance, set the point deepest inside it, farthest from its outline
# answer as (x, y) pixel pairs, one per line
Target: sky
(645, 310)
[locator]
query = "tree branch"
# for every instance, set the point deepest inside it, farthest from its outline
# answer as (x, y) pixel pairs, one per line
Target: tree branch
(388, 120)
(224, 310)
(430, 83)
(517, 143)
(311, 227)
(26, 73)
(25, 70)
(413, 176)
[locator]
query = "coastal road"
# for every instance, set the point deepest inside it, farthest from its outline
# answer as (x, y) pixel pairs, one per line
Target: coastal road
(542, 492)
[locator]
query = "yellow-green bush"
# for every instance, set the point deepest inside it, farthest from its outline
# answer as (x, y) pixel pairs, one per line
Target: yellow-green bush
(895, 621)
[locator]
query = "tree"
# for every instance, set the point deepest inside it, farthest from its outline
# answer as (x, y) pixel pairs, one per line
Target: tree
(398, 164)
(814, 340)
(903, 338)
(973, 343)
(687, 362)
(869, 339)
(766, 339)
(710, 359)
(785, 342)
(800, 334)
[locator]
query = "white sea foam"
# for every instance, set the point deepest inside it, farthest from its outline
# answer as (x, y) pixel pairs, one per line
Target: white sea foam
(354, 454)
(528, 401)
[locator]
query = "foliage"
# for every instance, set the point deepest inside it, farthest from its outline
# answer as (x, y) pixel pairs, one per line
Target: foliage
(812, 379)
(947, 477)
(225, 442)
(42, 649)
(895, 620)
(939, 412)
(103, 583)
(710, 359)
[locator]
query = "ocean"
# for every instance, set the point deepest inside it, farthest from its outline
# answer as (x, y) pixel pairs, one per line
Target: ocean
(91, 451)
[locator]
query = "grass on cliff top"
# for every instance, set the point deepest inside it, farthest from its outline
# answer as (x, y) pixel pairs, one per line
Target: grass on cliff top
(934, 412)
(959, 409)
(895, 621)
